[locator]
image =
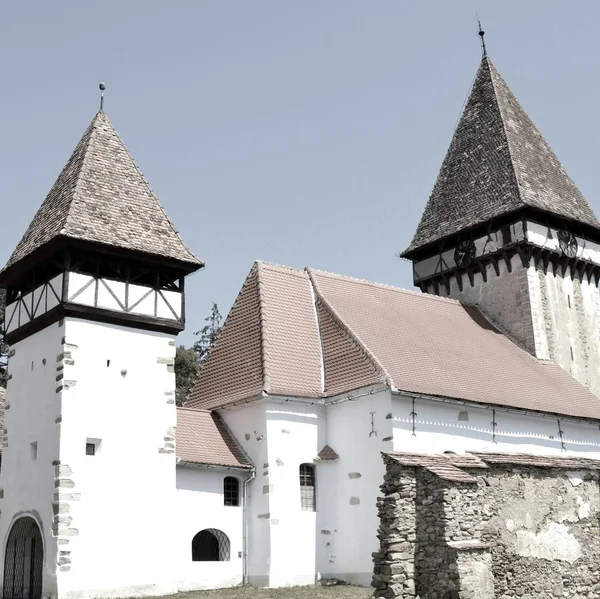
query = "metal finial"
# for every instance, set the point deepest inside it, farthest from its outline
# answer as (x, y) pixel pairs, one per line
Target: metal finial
(481, 33)
(102, 87)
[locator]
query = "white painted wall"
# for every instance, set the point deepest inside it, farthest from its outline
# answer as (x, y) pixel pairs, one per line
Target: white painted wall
(198, 506)
(438, 429)
(248, 424)
(32, 407)
(348, 511)
(119, 390)
(295, 433)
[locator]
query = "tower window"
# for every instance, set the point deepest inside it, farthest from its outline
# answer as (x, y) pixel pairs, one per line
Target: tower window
(231, 491)
(307, 488)
(92, 446)
(33, 450)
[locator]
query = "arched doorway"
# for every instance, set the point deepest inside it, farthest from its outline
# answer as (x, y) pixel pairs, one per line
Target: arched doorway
(23, 561)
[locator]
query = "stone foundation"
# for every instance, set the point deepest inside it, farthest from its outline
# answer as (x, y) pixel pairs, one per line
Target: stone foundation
(485, 526)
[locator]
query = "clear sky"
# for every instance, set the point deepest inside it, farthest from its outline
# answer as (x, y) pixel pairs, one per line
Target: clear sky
(301, 132)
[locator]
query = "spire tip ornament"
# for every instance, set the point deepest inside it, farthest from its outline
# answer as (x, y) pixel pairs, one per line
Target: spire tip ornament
(481, 34)
(102, 87)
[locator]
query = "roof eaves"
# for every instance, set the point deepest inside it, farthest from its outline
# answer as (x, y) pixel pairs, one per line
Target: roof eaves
(385, 376)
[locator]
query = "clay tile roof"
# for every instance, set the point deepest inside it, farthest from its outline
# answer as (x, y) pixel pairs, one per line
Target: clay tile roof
(326, 455)
(516, 459)
(203, 437)
(314, 334)
(498, 162)
(102, 197)
(440, 465)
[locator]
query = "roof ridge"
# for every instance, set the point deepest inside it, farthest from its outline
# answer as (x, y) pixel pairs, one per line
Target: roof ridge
(135, 164)
(278, 265)
(261, 318)
(384, 286)
(511, 159)
(362, 345)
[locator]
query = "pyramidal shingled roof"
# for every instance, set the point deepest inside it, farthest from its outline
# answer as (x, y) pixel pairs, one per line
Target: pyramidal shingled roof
(498, 162)
(102, 197)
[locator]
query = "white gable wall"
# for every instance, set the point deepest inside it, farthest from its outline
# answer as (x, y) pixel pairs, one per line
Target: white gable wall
(438, 429)
(200, 505)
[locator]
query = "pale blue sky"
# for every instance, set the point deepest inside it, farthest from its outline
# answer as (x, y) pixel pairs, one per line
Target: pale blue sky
(300, 132)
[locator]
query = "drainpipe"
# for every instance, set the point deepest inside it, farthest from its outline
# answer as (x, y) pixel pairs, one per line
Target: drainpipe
(245, 576)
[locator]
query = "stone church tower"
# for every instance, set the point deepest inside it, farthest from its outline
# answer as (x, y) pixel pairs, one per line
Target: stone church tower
(506, 229)
(95, 298)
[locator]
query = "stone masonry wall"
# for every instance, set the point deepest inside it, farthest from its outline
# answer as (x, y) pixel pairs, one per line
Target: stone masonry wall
(482, 527)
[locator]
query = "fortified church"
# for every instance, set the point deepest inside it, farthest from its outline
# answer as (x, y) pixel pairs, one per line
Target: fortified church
(270, 473)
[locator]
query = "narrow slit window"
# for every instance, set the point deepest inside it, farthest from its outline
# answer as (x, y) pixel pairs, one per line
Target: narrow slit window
(90, 449)
(231, 491)
(33, 450)
(307, 488)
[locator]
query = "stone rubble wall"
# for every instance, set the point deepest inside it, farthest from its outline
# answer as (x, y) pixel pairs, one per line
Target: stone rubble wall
(526, 531)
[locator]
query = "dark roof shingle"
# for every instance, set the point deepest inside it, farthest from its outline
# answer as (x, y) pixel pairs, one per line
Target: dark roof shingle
(498, 162)
(102, 197)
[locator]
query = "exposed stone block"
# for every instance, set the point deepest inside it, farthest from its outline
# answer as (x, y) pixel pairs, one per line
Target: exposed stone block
(168, 361)
(64, 483)
(354, 500)
(354, 474)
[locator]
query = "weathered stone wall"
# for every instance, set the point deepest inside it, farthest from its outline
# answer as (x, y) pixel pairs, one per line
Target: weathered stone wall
(488, 530)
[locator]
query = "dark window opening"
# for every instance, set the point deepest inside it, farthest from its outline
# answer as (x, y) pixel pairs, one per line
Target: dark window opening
(307, 487)
(90, 449)
(231, 491)
(210, 545)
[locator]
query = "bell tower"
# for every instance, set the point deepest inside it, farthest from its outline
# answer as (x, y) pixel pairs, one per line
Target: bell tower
(506, 229)
(95, 299)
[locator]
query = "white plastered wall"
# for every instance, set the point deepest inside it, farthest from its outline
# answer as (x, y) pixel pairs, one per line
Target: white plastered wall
(248, 425)
(200, 505)
(30, 417)
(348, 518)
(118, 391)
(295, 434)
(449, 426)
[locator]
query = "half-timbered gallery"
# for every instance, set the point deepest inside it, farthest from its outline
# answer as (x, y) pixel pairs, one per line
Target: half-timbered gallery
(269, 475)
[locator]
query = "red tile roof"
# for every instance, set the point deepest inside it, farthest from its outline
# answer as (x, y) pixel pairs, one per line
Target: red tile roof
(316, 334)
(203, 438)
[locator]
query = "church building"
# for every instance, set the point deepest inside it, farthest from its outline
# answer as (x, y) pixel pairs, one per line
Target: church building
(269, 475)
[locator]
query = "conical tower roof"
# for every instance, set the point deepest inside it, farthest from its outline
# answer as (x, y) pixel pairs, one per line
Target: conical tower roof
(498, 163)
(101, 197)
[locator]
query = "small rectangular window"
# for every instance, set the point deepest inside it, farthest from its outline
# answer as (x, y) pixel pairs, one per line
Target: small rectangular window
(33, 450)
(307, 488)
(231, 491)
(90, 449)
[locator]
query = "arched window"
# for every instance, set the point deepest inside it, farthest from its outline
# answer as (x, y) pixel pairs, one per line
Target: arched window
(211, 545)
(231, 491)
(307, 487)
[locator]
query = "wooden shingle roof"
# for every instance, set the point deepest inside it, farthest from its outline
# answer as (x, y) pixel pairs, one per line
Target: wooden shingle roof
(102, 197)
(498, 163)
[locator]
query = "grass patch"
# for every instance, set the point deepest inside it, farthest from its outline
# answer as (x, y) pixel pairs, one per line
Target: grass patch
(312, 592)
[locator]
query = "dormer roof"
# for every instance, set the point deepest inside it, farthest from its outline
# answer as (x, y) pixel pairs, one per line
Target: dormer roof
(101, 197)
(498, 163)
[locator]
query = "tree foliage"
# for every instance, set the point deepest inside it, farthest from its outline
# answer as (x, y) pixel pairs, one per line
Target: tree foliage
(186, 370)
(189, 360)
(208, 334)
